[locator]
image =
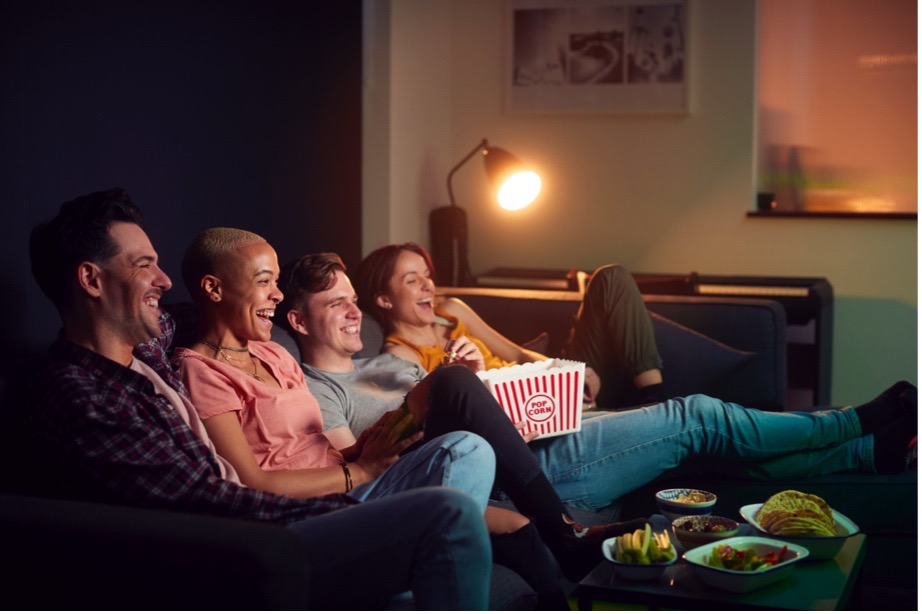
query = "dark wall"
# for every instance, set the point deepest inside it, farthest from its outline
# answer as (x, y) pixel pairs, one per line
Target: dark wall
(241, 113)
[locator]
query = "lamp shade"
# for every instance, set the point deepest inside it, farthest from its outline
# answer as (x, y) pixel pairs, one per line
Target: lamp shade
(516, 186)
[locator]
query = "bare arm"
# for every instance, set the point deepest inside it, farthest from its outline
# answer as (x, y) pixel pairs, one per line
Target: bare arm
(479, 329)
(340, 437)
(381, 449)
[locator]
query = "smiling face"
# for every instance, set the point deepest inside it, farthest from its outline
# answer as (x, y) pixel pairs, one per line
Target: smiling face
(410, 291)
(332, 321)
(248, 291)
(130, 286)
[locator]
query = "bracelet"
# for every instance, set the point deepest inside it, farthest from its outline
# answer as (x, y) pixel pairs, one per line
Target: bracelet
(348, 476)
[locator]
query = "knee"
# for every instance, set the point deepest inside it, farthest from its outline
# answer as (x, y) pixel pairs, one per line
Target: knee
(449, 510)
(609, 283)
(699, 403)
(446, 501)
(473, 447)
(611, 274)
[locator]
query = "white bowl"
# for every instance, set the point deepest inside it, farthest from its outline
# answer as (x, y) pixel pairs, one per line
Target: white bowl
(671, 507)
(745, 581)
(635, 571)
(821, 548)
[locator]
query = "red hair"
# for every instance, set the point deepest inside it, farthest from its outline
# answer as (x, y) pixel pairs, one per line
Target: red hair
(375, 272)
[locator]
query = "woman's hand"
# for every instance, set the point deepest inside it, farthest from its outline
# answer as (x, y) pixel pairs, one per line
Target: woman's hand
(382, 443)
(353, 452)
(462, 351)
(593, 384)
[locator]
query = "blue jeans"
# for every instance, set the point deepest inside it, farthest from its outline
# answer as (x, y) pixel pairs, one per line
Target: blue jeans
(459, 460)
(615, 453)
(430, 540)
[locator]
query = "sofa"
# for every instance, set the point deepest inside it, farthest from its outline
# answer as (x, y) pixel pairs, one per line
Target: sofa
(733, 349)
(84, 555)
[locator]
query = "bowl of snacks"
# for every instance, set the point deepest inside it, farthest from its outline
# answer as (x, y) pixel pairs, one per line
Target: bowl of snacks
(677, 502)
(641, 555)
(743, 564)
(803, 519)
(694, 531)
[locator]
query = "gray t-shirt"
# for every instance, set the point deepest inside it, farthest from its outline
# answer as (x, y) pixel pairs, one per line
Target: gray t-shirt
(358, 398)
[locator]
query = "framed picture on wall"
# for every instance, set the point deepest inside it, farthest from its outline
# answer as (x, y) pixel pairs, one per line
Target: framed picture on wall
(597, 56)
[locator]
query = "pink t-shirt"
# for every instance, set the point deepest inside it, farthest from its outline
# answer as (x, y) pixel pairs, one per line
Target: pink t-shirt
(283, 426)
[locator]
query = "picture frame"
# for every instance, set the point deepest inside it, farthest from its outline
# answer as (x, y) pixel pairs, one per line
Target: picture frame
(597, 56)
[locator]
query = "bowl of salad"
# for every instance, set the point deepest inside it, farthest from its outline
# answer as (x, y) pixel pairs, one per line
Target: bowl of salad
(743, 564)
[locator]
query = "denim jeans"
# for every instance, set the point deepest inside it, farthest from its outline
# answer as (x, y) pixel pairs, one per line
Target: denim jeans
(615, 453)
(459, 460)
(430, 540)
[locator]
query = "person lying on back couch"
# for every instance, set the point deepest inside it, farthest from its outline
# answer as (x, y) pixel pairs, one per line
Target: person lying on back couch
(614, 453)
(116, 425)
(612, 332)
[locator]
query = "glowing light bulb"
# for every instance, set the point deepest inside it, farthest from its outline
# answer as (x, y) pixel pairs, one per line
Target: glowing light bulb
(519, 190)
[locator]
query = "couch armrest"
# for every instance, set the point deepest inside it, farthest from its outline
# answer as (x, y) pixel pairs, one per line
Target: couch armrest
(71, 555)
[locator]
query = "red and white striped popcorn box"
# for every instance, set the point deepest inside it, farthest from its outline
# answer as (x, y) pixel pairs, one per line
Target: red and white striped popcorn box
(548, 395)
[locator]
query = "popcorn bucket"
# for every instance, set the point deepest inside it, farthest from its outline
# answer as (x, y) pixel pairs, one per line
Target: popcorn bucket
(547, 395)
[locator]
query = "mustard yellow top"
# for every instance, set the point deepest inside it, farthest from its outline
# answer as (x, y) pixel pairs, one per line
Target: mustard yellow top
(431, 356)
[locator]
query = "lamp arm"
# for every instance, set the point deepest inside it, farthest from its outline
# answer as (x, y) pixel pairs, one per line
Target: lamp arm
(451, 195)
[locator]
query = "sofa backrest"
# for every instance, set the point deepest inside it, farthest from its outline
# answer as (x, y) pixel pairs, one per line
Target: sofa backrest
(730, 348)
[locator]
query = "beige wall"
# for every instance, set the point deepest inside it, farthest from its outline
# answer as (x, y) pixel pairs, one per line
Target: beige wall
(656, 193)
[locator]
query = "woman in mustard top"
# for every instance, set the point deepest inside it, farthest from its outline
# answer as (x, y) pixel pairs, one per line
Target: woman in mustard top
(612, 333)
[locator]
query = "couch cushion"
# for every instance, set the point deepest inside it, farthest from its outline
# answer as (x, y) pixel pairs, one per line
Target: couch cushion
(749, 325)
(714, 362)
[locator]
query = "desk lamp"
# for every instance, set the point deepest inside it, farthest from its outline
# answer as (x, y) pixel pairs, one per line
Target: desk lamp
(516, 188)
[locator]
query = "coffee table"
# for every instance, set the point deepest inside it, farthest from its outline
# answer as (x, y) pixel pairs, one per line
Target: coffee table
(814, 585)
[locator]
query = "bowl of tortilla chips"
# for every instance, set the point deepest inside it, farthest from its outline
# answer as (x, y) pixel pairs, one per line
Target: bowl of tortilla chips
(803, 519)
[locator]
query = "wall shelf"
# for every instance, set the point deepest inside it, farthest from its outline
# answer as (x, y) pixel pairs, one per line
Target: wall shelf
(896, 215)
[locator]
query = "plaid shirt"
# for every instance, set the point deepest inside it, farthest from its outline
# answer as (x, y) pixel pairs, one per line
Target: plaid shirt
(111, 438)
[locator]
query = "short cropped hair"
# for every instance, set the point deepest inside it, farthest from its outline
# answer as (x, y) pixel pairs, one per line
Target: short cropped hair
(375, 272)
(78, 233)
(208, 250)
(305, 276)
